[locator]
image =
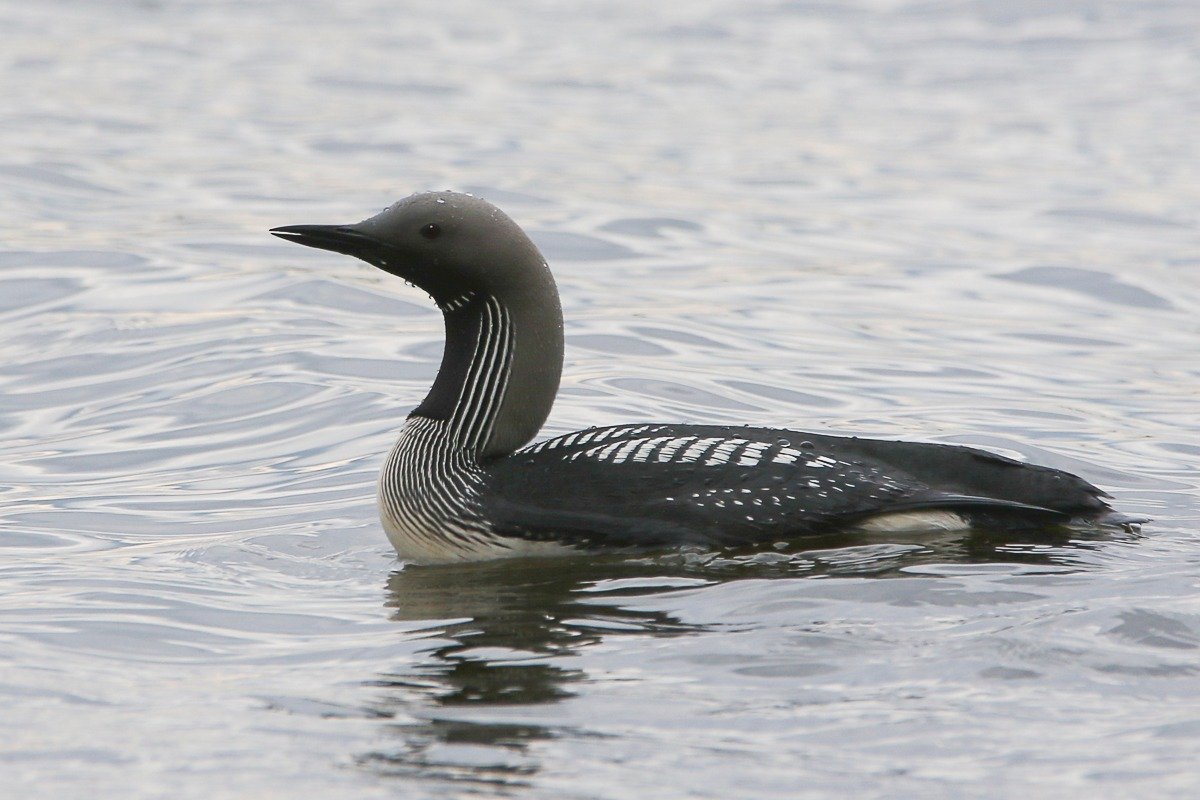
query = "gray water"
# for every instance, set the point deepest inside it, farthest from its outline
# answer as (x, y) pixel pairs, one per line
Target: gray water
(964, 222)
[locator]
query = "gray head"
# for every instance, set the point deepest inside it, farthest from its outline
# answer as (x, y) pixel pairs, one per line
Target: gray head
(444, 242)
(456, 246)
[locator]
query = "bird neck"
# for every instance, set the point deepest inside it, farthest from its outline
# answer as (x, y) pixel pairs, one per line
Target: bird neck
(500, 370)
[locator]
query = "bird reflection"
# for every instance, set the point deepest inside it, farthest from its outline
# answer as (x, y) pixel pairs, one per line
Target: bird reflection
(504, 644)
(506, 637)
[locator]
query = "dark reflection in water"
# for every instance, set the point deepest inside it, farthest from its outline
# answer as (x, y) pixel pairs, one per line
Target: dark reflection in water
(509, 628)
(506, 634)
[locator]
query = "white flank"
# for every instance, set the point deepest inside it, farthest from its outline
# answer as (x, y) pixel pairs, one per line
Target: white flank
(913, 521)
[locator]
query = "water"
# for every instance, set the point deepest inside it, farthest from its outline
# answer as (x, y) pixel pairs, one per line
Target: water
(964, 222)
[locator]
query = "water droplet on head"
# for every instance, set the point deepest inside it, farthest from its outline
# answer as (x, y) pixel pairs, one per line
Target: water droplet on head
(807, 445)
(785, 443)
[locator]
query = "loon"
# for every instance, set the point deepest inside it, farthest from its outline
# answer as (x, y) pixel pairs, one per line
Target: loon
(463, 483)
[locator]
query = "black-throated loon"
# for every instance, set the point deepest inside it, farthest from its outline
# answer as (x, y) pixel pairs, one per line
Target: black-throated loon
(462, 482)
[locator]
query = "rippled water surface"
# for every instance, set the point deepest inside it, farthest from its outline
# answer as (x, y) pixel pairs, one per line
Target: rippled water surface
(965, 222)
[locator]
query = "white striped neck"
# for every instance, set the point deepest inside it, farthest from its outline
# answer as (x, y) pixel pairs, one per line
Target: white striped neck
(499, 373)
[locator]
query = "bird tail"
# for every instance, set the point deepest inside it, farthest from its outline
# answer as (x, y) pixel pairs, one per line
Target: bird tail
(1130, 523)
